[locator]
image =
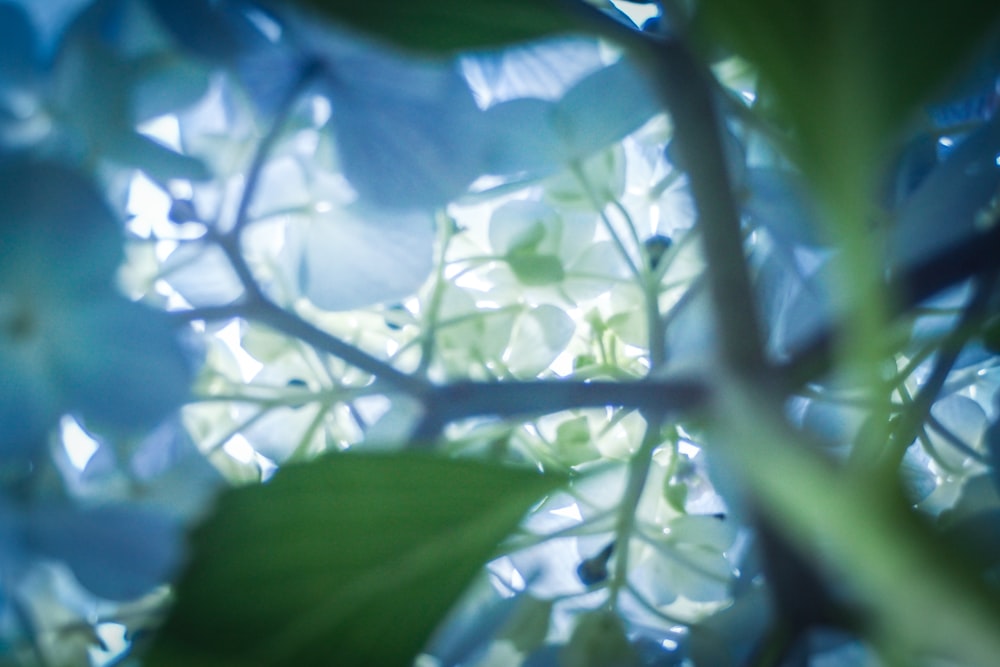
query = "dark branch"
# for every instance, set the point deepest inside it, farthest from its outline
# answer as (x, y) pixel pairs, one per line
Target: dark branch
(463, 400)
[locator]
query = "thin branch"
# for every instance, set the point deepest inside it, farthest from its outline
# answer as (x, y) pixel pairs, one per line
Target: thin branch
(913, 418)
(266, 145)
(208, 313)
(638, 473)
(290, 324)
(910, 286)
(463, 400)
(686, 88)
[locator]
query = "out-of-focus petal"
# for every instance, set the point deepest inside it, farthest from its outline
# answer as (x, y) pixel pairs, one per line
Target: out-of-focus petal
(959, 191)
(202, 275)
(57, 230)
(116, 552)
(604, 107)
(541, 137)
(409, 136)
(543, 70)
(516, 150)
(779, 202)
(121, 364)
(356, 258)
(28, 402)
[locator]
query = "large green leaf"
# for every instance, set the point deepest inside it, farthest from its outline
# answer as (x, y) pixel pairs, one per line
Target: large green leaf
(351, 559)
(445, 26)
(846, 72)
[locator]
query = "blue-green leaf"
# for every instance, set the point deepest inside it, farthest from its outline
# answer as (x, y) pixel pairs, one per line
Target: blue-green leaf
(845, 72)
(454, 25)
(351, 559)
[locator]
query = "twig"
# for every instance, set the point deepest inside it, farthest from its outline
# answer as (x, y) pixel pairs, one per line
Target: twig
(912, 419)
(463, 400)
(276, 317)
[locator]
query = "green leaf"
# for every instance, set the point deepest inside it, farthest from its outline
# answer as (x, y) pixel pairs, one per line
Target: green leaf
(445, 26)
(529, 625)
(846, 72)
(351, 559)
(599, 640)
(574, 443)
(535, 270)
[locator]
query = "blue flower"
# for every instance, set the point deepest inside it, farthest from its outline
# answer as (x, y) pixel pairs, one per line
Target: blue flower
(540, 136)
(68, 341)
(411, 132)
(115, 551)
(77, 89)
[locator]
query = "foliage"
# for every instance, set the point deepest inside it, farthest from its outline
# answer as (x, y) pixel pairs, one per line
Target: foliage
(499, 332)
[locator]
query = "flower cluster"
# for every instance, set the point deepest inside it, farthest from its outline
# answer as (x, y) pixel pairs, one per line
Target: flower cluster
(235, 236)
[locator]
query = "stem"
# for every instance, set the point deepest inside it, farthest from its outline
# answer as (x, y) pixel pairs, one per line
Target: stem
(913, 418)
(462, 400)
(686, 90)
(638, 472)
(434, 301)
(292, 325)
(266, 145)
(208, 313)
(601, 210)
(910, 285)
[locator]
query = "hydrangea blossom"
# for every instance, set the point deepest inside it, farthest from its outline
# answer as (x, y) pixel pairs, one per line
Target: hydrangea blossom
(69, 341)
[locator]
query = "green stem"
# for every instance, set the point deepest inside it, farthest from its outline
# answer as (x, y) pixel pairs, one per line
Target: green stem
(601, 210)
(427, 335)
(913, 418)
(290, 324)
(638, 472)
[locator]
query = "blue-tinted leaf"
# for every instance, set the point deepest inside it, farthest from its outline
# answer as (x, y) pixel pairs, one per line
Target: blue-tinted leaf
(352, 559)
